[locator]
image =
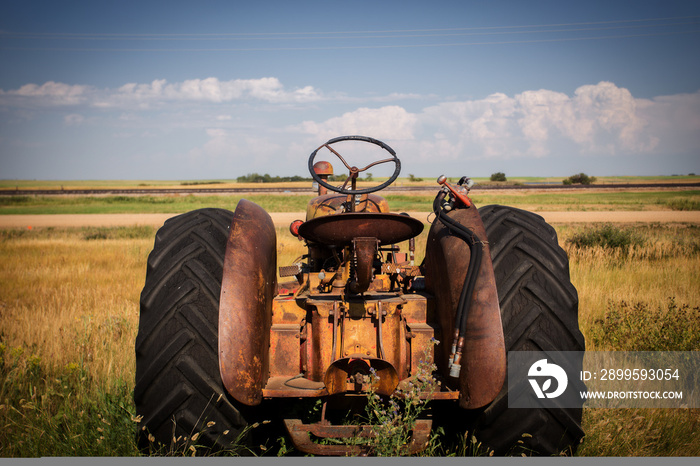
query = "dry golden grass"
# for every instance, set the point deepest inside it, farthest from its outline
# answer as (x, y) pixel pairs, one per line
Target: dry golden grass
(664, 266)
(67, 301)
(72, 301)
(663, 269)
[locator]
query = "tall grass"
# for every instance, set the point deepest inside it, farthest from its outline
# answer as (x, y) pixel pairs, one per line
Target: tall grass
(661, 264)
(69, 316)
(61, 411)
(68, 320)
(19, 205)
(638, 295)
(296, 202)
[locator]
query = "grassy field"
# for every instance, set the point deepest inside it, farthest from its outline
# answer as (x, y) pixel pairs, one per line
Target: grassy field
(232, 183)
(543, 201)
(69, 315)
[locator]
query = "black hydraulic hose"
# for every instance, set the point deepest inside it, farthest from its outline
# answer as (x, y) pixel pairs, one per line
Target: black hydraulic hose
(475, 256)
(437, 209)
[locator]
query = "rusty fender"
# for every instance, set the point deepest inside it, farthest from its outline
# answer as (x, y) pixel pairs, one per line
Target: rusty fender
(483, 356)
(245, 309)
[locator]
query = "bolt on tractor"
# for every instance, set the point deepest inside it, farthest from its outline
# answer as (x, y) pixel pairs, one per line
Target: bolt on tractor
(227, 339)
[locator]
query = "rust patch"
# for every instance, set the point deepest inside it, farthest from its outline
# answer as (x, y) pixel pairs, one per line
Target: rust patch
(245, 310)
(483, 355)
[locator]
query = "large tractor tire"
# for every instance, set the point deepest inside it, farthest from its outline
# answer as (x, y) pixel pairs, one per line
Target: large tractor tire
(539, 311)
(178, 389)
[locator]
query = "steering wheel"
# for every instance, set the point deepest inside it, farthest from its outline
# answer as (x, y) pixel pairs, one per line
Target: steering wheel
(354, 171)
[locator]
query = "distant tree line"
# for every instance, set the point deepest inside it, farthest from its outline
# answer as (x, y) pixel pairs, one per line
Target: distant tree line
(266, 178)
(579, 178)
(257, 178)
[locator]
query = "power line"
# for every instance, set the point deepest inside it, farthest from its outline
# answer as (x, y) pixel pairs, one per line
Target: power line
(399, 36)
(390, 32)
(567, 28)
(349, 47)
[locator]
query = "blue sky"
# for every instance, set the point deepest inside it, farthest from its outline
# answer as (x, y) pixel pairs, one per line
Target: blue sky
(218, 89)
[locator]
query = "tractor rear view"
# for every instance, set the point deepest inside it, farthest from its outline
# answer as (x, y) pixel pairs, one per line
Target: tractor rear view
(223, 343)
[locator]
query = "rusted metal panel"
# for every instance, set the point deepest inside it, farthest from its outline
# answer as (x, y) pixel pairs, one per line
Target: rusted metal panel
(365, 252)
(324, 335)
(284, 349)
(422, 344)
(293, 387)
(483, 356)
(245, 309)
(300, 435)
(353, 374)
(418, 307)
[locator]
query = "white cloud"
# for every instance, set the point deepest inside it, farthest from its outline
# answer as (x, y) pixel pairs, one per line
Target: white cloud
(159, 92)
(212, 90)
(51, 93)
(390, 122)
(601, 119)
(231, 153)
(607, 113)
(261, 125)
(478, 126)
(73, 119)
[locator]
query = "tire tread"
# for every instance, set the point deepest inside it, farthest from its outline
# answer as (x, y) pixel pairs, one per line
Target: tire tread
(178, 387)
(539, 309)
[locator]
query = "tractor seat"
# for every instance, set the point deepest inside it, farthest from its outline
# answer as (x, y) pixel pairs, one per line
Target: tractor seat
(341, 229)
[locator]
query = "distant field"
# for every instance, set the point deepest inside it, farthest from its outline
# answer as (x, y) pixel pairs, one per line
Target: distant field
(624, 200)
(232, 183)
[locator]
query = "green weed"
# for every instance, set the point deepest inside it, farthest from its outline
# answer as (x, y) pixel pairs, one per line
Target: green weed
(607, 237)
(682, 204)
(61, 412)
(190, 445)
(393, 418)
(131, 232)
(80, 233)
(637, 327)
(614, 432)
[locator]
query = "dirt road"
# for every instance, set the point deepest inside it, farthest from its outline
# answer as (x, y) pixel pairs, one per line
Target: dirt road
(284, 219)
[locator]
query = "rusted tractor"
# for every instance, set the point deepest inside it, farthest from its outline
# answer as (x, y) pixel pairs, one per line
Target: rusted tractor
(222, 342)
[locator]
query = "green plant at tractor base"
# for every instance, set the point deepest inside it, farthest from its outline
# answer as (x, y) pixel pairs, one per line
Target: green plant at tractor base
(393, 418)
(187, 445)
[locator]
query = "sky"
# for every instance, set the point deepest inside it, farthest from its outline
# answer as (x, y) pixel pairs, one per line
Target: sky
(218, 89)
